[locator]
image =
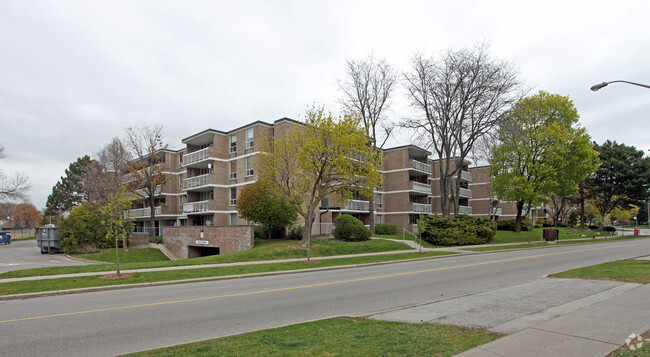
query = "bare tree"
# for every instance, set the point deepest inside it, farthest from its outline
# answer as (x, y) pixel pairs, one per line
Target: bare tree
(13, 188)
(147, 169)
(367, 91)
(461, 97)
(106, 174)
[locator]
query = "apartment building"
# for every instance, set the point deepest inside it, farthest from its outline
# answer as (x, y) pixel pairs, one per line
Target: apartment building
(207, 175)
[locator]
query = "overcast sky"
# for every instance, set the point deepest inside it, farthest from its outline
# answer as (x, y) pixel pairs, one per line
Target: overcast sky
(74, 74)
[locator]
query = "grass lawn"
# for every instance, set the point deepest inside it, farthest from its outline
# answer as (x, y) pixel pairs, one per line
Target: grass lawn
(22, 287)
(263, 250)
(629, 271)
(538, 244)
(132, 256)
(536, 235)
(409, 237)
(339, 337)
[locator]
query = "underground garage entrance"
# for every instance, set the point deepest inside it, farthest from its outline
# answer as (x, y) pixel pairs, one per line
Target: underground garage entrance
(201, 251)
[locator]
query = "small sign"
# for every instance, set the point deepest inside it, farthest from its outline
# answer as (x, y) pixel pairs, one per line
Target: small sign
(202, 242)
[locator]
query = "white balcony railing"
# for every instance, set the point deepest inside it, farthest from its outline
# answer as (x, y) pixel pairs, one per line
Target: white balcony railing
(464, 193)
(464, 210)
(196, 156)
(357, 205)
(196, 181)
(421, 187)
(420, 166)
(466, 176)
(193, 207)
(421, 208)
(143, 212)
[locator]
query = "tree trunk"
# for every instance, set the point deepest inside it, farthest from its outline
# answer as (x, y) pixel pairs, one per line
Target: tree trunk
(117, 252)
(520, 209)
(268, 227)
(371, 214)
(582, 205)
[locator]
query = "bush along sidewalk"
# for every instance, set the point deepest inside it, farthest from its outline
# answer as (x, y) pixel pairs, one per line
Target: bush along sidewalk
(457, 230)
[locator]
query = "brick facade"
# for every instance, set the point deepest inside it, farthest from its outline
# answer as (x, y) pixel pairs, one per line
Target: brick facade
(192, 241)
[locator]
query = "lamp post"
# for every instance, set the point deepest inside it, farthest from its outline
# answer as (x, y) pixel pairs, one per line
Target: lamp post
(598, 86)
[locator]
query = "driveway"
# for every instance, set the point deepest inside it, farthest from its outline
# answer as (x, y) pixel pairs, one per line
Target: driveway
(25, 254)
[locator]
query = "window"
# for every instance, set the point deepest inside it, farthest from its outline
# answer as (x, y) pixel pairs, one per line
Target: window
(325, 202)
(413, 219)
(380, 200)
(249, 138)
(233, 196)
(233, 143)
(379, 219)
(249, 166)
(233, 170)
(205, 196)
(233, 219)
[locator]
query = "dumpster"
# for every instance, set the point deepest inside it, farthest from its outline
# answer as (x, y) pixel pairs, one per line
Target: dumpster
(550, 234)
(5, 237)
(48, 239)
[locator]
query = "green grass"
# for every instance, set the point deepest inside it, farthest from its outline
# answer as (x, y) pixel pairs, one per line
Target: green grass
(27, 238)
(536, 235)
(132, 256)
(408, 237)
(263, 250)
(23, 287)
(538, 244)
(629, 271)
(339, 337)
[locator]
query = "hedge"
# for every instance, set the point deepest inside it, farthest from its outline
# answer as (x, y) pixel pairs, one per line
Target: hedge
(385, 228)
(458, 230)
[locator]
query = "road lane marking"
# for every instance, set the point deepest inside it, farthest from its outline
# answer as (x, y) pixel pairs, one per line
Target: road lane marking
(311, 285)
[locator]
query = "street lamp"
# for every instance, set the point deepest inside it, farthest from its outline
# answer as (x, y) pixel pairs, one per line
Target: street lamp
(598, 86)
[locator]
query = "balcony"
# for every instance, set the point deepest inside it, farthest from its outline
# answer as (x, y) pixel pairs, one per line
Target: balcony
(421, 187)
(422, 208)
(464, 193)
(422, 167)
(465, 176)
(143, 212)
(196, 207)
(196, 182)
(464, 210)
(196, 156)
(357, 205)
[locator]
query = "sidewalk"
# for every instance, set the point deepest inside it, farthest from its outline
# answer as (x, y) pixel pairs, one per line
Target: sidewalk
(546, 317)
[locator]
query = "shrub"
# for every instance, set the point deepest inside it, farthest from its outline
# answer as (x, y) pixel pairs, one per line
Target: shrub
(262, 232)
(459, 230)
(84, 227)
(610, 229)
(511, 225)
(538, 225)
(295, 232)
(385, 228)
(350, 229)
(592, 226)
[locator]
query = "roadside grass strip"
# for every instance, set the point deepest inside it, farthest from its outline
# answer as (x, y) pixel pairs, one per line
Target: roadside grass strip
(629, 271)
(538, 244)
(44, 285)
(339, 337)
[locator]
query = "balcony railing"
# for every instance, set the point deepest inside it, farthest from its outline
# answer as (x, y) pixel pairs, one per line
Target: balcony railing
(357, 205)
(464, 210)
(196, 156)
(143, 212)
(421, 187)
(421, 166)
(466, 176)
(194, 207)
(196, 181)
(421, 208)
(464, 193)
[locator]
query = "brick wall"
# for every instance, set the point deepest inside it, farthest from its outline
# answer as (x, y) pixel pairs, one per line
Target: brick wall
(227, 238)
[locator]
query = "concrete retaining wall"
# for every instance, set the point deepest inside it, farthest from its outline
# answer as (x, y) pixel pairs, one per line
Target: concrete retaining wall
(139, 240)
(188, 242)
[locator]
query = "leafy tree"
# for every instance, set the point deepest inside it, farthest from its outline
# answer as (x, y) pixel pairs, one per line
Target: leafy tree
(367, 91)
(325, 156)
(261, 202)
(68, 191)
(460, 98)
(26, 215)
(116, 221)
(542, 152)
(83, 228)
(624, 215)
(620, 181)
(14, 188)
(147, 169)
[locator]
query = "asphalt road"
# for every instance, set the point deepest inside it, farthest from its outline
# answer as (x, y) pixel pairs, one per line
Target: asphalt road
(121, 321)
(24, 254)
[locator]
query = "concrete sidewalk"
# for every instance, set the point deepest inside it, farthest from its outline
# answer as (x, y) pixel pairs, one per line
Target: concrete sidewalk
(546, 317)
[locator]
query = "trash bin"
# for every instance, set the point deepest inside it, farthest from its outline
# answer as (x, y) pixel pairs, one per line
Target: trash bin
(48, 239)
(550, 234)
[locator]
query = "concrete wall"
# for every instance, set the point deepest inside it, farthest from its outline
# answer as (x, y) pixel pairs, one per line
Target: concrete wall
(181, 240)
(139, 240)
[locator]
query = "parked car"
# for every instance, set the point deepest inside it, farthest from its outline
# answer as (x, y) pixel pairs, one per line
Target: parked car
(5, 237)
